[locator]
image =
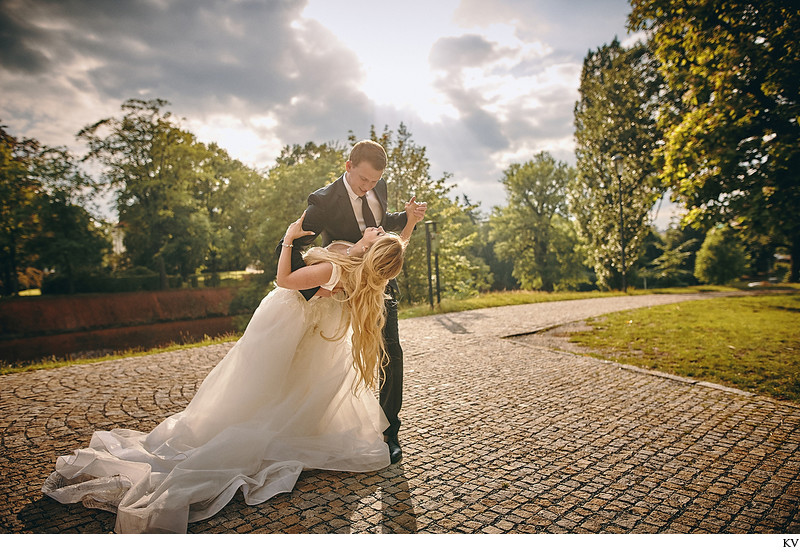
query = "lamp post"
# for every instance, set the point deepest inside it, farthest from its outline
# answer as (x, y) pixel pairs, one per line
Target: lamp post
(433, 246)
(617, 159)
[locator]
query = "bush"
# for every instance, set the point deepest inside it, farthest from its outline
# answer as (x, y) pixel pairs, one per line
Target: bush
(247, 299)
(103, 283)
(721, 258)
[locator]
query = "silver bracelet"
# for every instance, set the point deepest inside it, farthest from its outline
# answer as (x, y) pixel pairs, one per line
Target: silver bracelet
(290, 245)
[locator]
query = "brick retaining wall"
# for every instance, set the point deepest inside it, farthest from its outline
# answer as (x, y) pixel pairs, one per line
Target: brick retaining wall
(62, 326)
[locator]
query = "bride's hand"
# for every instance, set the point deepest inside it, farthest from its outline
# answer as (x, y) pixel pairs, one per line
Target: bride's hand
(415, 211)
(295, 230)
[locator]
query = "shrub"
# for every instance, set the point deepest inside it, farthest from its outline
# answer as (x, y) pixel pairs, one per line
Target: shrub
(721, 258)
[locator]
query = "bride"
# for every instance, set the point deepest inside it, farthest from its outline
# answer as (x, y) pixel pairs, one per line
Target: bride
(294, 393)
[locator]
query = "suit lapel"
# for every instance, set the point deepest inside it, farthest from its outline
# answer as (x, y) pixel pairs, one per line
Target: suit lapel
(381, 191)
(346, 216)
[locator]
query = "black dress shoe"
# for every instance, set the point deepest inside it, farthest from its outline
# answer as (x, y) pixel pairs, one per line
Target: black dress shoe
(395, 453)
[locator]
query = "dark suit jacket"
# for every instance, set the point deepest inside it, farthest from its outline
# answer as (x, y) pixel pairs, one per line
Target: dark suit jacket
(330, 214)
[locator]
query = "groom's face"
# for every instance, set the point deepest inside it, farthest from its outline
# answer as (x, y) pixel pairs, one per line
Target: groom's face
(362, 177)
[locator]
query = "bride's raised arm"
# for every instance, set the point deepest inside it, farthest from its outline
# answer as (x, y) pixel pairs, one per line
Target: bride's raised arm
(306, 277)
(415, 212)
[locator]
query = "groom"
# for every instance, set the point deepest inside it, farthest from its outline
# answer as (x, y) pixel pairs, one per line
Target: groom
(341, 211)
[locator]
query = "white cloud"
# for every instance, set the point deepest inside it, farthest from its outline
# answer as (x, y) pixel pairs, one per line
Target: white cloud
(479, 84)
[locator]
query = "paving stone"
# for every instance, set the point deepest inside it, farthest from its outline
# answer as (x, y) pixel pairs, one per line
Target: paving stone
(499, 435)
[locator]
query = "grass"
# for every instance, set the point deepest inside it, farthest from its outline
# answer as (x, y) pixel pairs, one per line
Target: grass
(750, 343)
(505, 298)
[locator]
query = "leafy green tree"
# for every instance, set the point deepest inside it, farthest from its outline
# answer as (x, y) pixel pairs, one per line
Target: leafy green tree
(44, 224)
(533, 230)
(670, 267)
(730, 152)
(721, 258)
(501, 269)
(154, 167)
(621, 94)
(281, 196)
(222, 190)
(70, 242)
(19, 217)
(461, 270)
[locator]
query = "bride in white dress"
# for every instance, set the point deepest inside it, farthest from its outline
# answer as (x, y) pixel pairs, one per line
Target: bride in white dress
(294, 393)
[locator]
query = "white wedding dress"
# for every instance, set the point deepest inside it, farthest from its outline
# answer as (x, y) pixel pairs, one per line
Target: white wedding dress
(281, 401)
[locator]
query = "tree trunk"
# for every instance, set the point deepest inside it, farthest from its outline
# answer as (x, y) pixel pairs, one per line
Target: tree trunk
(794, 251)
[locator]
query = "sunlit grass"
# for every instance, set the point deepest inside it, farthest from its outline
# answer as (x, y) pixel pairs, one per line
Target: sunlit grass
(506, 298)
(750, 343)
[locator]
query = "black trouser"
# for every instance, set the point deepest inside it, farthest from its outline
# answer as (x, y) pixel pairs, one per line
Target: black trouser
(392, 380)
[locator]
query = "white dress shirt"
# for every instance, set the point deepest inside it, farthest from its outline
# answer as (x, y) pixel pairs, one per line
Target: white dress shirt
(372, 201)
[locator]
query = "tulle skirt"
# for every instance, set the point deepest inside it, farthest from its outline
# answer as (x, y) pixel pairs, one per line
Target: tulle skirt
(283, 399)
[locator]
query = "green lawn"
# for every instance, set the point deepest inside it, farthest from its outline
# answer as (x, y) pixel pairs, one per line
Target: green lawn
(751, 343)
(505, 298)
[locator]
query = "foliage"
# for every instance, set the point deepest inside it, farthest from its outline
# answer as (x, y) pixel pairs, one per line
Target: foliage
(44, 225)
(721, 258)
(533, 230)
(730, 152)
(281, 197)
(461, 270)
(501, 269)
(621, 93)
(669, 268)
(154, 167)
(223, 192)
(19, 220)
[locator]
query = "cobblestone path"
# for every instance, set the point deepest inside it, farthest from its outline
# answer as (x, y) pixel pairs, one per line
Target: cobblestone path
(498, 436)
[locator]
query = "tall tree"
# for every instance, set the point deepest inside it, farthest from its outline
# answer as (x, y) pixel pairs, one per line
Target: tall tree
(154, 167)
(43, 223)
(621, 94)
(70, 242)
(223, 192)
(461, 271)
(19, 217)
(281, 196)
(731, 150)
(533, 230)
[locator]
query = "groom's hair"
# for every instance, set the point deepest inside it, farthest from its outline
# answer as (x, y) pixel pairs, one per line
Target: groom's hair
(372, 152)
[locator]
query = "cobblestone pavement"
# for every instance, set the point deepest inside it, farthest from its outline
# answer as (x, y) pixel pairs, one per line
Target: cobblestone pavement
(499, 436)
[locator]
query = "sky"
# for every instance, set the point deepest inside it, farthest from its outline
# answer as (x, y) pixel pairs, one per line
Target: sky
(481, 84)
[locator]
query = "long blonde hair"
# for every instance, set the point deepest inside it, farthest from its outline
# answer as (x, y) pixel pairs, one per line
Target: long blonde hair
(364, 282)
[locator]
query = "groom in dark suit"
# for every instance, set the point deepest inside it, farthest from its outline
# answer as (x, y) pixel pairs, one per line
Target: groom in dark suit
(341, 211)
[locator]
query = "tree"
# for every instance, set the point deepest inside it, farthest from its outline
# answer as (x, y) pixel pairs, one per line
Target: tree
(621, 93)
(731, 152)
(670, 267)
(43, 224)
(154, 167)
(462, 272)
(281, 196)
(533, 230)
(721, 257)
(222, 191)
(19, 218)
(70, 242)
